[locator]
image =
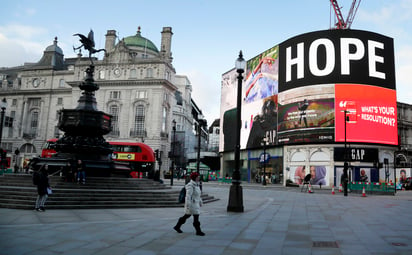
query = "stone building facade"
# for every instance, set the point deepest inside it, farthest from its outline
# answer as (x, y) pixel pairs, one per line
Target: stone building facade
(138, 85)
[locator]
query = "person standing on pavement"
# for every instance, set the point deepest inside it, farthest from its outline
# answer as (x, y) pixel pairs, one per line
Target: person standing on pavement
(41, 179)
(81, 173)
(193, 202)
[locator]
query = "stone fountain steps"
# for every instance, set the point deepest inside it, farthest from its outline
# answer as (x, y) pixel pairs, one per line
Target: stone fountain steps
(18, 192)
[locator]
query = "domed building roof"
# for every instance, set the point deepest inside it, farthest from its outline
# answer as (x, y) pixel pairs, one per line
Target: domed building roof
(52, 58)
(139, 41)
(54, 47)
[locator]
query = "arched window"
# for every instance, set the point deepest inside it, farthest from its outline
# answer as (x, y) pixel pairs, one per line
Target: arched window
(149, 73)
(28, 148)
(101, 74)
(34, 123)
(114, 111)
(61, 83)
(164, 119)
(133, 73)
(139, 121)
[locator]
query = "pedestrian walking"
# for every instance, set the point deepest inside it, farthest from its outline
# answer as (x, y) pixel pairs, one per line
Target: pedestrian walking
(193, 202)
(41, 179)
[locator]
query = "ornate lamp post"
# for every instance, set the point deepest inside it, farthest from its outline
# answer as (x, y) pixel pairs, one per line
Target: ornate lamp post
(173, 151)
(236, 194)
(345, 165)
(3, 106)
(199, 136)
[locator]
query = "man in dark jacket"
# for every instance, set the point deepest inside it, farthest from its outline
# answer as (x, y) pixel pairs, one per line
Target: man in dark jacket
(41, 179)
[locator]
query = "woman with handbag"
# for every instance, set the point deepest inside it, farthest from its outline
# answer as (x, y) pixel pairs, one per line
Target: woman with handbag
(41, 179)
(193, 202)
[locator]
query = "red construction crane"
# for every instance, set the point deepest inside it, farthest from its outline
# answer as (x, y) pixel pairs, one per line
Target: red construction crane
(341, 23)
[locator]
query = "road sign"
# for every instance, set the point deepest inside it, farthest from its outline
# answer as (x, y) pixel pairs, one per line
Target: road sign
(264, 157)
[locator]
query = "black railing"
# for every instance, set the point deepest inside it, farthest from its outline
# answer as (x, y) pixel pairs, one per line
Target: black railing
(29, 136)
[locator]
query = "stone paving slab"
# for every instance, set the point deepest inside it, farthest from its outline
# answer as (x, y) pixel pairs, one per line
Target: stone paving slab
(277, 220)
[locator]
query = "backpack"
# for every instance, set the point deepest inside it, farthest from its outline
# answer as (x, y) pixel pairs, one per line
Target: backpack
(36, 178)
(182, 195)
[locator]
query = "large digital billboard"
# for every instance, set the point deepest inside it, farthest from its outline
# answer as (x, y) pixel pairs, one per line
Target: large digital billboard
(260, 99)
(227, 138)
(301, 90)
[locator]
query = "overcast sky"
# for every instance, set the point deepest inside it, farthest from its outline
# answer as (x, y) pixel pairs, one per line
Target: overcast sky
(207, 34)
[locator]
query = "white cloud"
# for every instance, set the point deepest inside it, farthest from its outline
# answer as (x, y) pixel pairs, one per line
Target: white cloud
(22, 31)
(18, 44)
(380, 17)
(393, 14)
(393, 19)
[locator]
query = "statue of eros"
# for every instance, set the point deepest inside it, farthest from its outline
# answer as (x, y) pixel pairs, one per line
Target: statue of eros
(88, 44)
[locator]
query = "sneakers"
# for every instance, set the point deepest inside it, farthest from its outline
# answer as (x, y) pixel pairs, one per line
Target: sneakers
(41, 209)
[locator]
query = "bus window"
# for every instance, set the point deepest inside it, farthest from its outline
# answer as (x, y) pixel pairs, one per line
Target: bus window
(46, 145)
(132, 149)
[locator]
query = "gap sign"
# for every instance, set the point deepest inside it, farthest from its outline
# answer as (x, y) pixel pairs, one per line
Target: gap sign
(336, 56)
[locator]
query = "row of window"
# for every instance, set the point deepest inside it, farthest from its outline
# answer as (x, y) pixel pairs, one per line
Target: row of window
(133, 74)
(35, 102)
(141, 94)
(139, 118)
(138, 127)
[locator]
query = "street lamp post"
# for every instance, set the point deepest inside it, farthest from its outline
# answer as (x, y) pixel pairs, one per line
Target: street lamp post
(236, 194)
(3, 106)
(345, 165)
(173, 152)
(264, 161)
(199, 135)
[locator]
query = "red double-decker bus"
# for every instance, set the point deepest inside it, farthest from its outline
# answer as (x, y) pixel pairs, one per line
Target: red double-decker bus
(139, 156)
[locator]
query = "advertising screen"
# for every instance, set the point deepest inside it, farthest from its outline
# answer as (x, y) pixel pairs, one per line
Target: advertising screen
(328, 75)
(260, 99)
(370, 114)
(228, 111)
(301, 90)
(307, 114)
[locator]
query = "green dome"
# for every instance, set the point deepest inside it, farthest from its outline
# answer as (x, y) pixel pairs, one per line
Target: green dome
(139, 41)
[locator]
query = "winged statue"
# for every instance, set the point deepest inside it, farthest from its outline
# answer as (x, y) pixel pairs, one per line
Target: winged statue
(88, 44)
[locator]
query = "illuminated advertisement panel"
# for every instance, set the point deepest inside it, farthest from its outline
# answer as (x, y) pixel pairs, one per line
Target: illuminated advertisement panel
(259, 103)
(227, 138)
(326, 75)
(370, 114)
(260, 99)
(307, 114)
(300, 91)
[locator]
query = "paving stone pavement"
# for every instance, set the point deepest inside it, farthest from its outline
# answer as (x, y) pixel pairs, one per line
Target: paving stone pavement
(276, 220)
